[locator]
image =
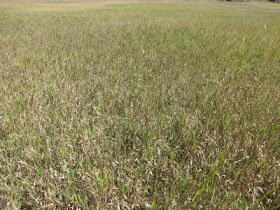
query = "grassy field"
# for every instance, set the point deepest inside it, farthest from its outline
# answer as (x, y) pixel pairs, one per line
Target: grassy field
(139, 104)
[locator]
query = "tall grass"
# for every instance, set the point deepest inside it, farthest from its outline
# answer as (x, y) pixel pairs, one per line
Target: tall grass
(142, 105)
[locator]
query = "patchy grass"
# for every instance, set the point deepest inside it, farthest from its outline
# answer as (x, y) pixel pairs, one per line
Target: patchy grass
(139, 105)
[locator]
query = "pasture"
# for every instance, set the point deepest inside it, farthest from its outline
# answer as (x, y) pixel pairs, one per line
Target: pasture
(139, 104)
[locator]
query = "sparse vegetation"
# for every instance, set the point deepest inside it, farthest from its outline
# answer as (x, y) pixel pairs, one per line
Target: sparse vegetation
(140, 105)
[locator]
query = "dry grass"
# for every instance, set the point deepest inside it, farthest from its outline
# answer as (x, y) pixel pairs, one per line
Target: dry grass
(147, 105)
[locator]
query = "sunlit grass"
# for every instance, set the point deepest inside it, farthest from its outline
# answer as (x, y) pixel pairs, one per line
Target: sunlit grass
(139, 105)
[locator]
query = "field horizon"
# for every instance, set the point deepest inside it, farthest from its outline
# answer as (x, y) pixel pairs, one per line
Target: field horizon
(139, 104)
